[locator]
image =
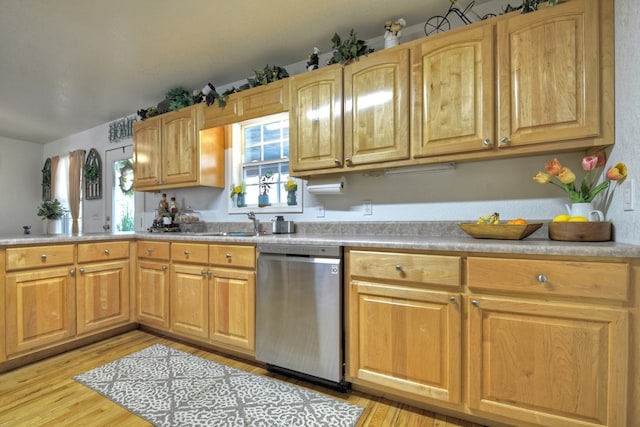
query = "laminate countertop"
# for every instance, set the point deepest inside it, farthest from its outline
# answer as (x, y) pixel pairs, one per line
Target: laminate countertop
(447, 238)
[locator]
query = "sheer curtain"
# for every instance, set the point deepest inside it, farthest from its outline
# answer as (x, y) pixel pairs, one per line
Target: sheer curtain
(76, 160)
(60, 188)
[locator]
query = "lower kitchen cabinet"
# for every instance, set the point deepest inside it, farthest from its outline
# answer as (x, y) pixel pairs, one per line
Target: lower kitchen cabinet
(189, 300)
(232, 301)
(102, 286)
(547, 364)
(152, 284)
(40, 308)
(402, 334)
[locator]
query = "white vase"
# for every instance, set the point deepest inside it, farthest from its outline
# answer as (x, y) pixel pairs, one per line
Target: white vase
(586, 210)
(390, 40)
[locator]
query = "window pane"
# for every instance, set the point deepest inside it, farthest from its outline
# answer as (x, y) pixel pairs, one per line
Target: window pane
(272, 151)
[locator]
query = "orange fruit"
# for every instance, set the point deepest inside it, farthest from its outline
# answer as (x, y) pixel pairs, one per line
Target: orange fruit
(517, 221)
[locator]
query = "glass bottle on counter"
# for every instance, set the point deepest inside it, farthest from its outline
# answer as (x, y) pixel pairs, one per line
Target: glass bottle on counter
(173, 206)
(163, 206)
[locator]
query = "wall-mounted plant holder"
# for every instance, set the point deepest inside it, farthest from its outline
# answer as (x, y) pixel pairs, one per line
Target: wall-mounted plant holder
(92, 174)
(46, 180)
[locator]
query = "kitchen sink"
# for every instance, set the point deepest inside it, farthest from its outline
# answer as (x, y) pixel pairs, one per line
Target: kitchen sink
(227, 233)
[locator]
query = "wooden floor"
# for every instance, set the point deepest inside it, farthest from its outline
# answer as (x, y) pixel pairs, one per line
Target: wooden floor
(44, 393)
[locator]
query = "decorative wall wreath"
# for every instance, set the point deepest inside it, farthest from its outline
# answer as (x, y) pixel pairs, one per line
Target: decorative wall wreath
(125, 180)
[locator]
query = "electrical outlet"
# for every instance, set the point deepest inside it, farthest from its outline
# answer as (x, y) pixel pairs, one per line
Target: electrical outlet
(320, 211)
(628, 195)
(367, 207)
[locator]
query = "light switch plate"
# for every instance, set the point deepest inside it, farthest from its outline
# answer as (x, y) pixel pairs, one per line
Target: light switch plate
(628, 194)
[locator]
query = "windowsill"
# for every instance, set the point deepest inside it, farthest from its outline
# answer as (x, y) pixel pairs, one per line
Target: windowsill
(273, 209)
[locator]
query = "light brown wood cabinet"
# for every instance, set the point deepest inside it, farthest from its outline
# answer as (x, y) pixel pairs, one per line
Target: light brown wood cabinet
(249, 104)
(172, 151)
(40, 297)
(351, 117)
(548, 88)
(404, 335)
(152, 283)
(548, 341)
(103, 286)
(190, 289)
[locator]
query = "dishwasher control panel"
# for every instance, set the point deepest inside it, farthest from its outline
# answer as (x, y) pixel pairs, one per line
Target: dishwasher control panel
(325, 251)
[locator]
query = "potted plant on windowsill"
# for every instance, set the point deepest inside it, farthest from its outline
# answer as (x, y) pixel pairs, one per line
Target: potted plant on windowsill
(265, 185)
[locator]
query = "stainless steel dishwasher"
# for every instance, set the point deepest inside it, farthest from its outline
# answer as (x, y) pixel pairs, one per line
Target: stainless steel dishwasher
(299, 312)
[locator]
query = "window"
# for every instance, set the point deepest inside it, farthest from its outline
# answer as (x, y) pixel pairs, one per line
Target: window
(261, 148)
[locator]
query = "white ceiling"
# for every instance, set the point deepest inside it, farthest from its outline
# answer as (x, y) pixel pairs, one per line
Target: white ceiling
(69, 65)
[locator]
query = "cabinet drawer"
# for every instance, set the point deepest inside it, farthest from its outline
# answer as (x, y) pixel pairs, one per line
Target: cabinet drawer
(102, 251)
(190, 252)
(233, 255)
(404, 268)
(39, 256)
(600, 280)
(153, 250)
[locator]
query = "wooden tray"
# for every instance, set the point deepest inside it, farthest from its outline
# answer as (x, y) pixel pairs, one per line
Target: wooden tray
(596, 231)
(499, 231)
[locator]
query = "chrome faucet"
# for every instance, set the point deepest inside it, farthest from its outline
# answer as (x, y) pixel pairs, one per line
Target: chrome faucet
(256, 223)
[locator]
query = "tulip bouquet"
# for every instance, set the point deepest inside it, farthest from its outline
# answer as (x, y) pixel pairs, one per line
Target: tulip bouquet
(589, 187)
(237, 189)
(291, 185)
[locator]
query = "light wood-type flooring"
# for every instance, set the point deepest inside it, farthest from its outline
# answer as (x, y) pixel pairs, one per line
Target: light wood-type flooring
(45, 394)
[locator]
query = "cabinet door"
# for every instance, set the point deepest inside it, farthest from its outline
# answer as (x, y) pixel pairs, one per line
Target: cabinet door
(189, 300)
(152, 294)
(180, 132)
(147, 149)
(232, 299)
(549, 74)
(102, 295)
(376, 108)
(315, 120)
(405, 339)
(454, 92)
(40, 308)
(548, 364)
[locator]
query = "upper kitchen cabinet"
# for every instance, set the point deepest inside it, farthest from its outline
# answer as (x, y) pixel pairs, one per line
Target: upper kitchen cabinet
(548, 88)
(555, 76)
(315, 120)
(171, 151)
(351, 117)
(455, 109)
(249, 104)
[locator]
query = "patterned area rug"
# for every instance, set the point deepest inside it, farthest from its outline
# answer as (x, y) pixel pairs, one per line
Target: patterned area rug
(169, 387)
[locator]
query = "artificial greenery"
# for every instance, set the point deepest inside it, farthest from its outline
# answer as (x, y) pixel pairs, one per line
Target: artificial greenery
(348, 50)
(178, 98)
(46, 177)
(51, 209)
(91, 172)
(266, 75)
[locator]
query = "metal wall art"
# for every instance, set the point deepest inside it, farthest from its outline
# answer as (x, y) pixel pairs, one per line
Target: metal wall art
(46, 180)
(121, 129)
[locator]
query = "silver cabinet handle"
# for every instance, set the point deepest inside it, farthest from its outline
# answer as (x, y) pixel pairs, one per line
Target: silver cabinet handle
(475, 303)
(164, 268)
(204, 272)
(43, 257)
(228, 255)
(149, 251)
(453, 300)
(336, 161)
(347, 160)
(542, 278)
(487, 142)
(106, 251)
(81, 271)
(504, 140)
(72, 272)
(398, 267)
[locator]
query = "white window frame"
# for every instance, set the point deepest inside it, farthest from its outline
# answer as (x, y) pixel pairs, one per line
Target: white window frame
(234, 174)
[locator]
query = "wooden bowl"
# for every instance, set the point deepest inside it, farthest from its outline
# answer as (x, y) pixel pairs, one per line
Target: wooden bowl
(499, 231)
(595, 231)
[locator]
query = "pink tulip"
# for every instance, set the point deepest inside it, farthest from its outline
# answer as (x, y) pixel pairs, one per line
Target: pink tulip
(590, 163)
(553, 167)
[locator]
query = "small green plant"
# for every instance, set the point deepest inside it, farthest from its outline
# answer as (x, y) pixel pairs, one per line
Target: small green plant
(268, 74)
(178, 98)
(90, 173)
(51, 209)
(348, 50)
(265, 183)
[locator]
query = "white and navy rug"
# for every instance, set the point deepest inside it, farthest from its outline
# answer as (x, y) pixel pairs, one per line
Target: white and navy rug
(169, 387)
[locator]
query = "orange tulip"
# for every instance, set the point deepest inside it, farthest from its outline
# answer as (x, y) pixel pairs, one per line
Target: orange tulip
(553, 167)
(617, 172)
(566, 176)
